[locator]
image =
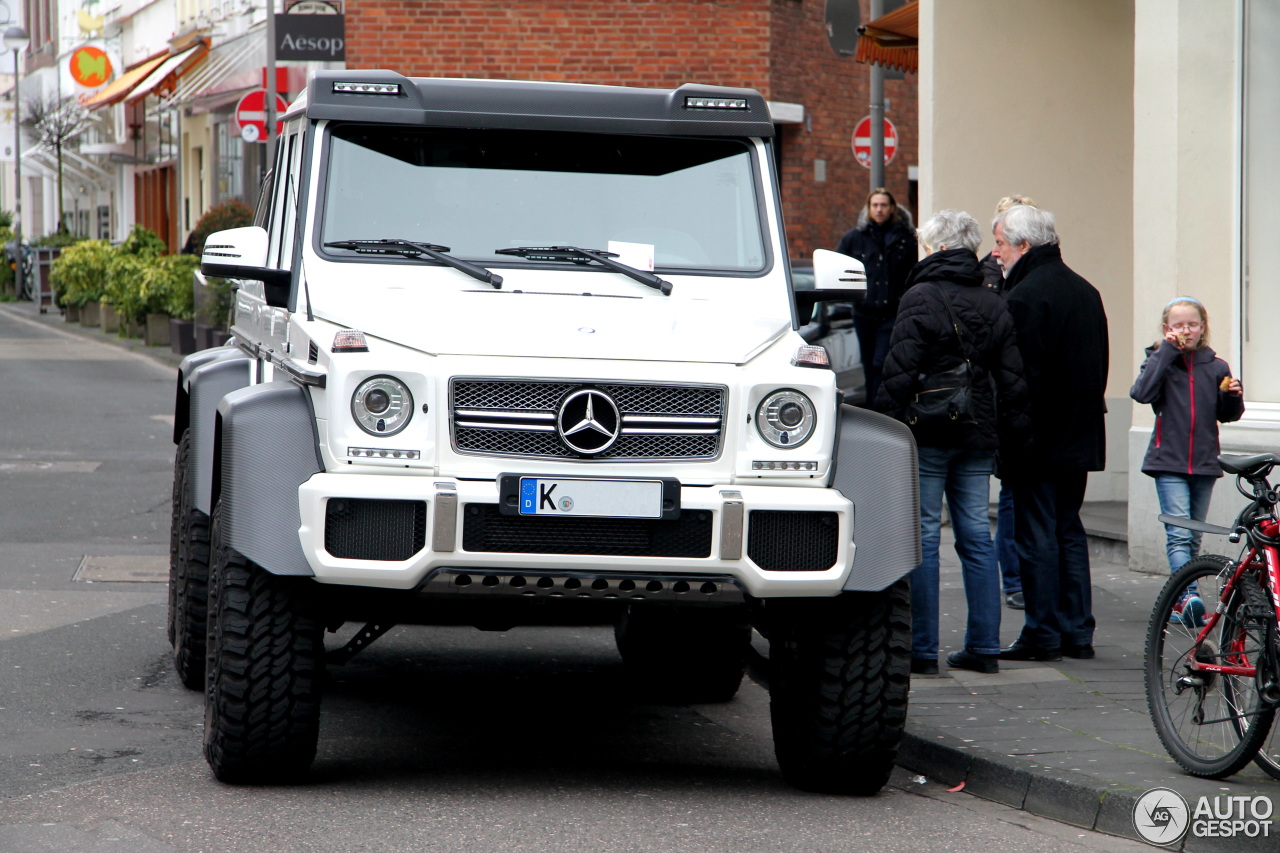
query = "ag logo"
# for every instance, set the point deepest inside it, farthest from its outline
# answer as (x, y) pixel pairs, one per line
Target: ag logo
(1161, 816)
(588, 421)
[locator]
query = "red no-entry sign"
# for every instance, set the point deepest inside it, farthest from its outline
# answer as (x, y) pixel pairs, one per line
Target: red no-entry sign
(251, 116)
(862, 142)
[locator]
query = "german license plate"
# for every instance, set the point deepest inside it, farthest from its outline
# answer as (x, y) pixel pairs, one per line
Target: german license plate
(591, 498)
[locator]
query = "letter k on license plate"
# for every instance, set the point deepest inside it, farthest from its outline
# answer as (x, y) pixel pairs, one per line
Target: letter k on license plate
(594, 498)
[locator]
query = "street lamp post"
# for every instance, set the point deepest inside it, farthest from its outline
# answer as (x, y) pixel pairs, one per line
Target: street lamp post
(16, 39)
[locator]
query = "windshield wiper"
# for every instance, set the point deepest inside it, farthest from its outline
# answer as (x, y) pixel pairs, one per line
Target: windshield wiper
(575, 255)
(410, 249)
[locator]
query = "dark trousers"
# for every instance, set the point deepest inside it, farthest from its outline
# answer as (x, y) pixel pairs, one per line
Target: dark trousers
(1053, 554)
(874, 332)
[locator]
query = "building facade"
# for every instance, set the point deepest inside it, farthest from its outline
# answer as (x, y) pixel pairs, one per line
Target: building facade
(1147, 127)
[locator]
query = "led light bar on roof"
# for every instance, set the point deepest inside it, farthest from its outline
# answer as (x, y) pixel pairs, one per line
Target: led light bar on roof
(698, 103)
(367, 88)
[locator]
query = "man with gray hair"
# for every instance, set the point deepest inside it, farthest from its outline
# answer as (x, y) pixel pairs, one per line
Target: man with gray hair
(1062, 335)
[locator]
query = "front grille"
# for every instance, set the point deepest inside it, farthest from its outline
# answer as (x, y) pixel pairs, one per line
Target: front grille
(486, 529)
(787, 541)
(503, 417)
(357, 529)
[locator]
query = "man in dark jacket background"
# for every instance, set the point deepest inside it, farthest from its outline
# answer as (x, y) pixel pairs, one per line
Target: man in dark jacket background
(1062, 334)
(886, 245)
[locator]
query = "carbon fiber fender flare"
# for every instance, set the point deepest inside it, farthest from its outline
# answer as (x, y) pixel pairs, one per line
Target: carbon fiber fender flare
(877, 470)
(266, 446)
(203, 379)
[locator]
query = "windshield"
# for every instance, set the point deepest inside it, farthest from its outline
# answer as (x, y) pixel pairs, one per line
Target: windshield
(477, 191)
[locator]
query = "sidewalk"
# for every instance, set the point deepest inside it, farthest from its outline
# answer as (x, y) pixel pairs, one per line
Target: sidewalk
(1071, 741)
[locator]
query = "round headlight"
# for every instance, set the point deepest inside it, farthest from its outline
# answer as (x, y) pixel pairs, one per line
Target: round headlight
(785, 418)
(382, 405)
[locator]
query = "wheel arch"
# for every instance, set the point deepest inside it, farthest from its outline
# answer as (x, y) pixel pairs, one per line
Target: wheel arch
(877, 470)
(203, 379)
(265, 446)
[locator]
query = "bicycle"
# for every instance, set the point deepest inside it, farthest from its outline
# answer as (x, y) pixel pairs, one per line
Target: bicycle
(1212, 666)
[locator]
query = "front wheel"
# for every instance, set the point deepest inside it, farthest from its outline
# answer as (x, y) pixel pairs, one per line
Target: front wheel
(1211, 724)
(839, 676)
(265, 664)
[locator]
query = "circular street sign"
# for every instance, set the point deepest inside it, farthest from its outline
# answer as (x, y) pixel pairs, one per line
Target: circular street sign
(251, 115)
(862, 142)
(90, 66)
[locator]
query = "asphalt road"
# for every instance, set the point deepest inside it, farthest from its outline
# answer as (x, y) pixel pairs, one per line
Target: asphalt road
(435, 739)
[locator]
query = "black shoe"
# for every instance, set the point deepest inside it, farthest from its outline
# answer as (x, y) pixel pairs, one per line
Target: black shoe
(1015, 601)
(924, 666)
(1084, 652)
(1026, 651)
(965, 659)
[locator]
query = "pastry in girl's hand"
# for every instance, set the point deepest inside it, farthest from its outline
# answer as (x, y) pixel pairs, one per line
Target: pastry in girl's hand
(1182, 340)
(1225, 384)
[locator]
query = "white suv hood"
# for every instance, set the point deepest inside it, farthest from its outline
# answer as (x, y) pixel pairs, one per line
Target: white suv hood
(436, 318)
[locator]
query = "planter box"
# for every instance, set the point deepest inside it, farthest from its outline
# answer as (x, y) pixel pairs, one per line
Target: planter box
(156, 333)
(91, 314)
(182, 336)
(72, 314)
(110, 319)
(133, 328)
(208, 337)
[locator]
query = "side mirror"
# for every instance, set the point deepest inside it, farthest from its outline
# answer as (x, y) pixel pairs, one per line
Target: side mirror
(836, 278)
(242, 253)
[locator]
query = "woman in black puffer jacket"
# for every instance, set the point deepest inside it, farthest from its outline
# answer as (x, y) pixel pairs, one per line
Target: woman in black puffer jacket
(956, 458)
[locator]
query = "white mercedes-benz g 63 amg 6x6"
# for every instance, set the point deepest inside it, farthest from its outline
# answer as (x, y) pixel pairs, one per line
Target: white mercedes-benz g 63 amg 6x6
(513, 353)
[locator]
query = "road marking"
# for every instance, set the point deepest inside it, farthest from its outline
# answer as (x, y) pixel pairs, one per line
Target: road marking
(49, 467)
(123, 570)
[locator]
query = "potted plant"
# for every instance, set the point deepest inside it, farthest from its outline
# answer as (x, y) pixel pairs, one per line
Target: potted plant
(127, 273)
(166, 290)
(79, 276)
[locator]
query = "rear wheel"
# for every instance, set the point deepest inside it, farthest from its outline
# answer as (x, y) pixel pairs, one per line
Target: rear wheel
(265, 665)
(188, 574)
(839, 676)
(1211, 724)
(685, 654)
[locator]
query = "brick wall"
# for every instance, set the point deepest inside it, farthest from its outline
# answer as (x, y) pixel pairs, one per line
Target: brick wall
(776, 46)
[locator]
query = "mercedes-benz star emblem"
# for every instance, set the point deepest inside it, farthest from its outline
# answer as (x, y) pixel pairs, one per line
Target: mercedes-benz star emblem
(588, 421)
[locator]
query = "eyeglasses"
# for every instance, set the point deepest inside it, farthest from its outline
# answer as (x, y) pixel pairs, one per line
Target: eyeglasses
(1187, 327)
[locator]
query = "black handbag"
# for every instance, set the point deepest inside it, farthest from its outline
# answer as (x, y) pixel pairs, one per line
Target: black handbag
(945, 397)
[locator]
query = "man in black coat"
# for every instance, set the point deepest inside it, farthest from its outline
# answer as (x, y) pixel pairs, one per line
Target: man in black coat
(886, 245)
(1062, 335)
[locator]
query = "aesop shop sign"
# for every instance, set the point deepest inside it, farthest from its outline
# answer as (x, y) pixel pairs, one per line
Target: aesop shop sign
(321, 37)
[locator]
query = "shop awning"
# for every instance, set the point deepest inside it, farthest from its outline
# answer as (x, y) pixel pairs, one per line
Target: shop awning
(164, 75)
(892, 40)
(228, 70)
(120, 87)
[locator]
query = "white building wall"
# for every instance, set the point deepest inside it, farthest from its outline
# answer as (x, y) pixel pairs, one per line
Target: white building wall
(1036, 97)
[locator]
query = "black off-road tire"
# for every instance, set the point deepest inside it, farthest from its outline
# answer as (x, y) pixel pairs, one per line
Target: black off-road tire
(188, 575)
(264, 671)
(685, 655)
(839, 676)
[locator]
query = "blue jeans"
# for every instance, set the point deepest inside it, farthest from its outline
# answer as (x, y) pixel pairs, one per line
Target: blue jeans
(1186, 496)
(1006, 550)
(965, 477)
(1053, 552)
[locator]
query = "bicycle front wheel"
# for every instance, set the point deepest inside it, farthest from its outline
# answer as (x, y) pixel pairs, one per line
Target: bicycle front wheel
(1211, 724)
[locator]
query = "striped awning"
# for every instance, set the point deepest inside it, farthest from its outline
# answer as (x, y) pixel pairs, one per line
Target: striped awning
(164, 75)
(120, 87)
(892, 40)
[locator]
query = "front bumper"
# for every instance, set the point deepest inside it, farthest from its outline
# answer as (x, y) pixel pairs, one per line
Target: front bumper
(755, 535)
